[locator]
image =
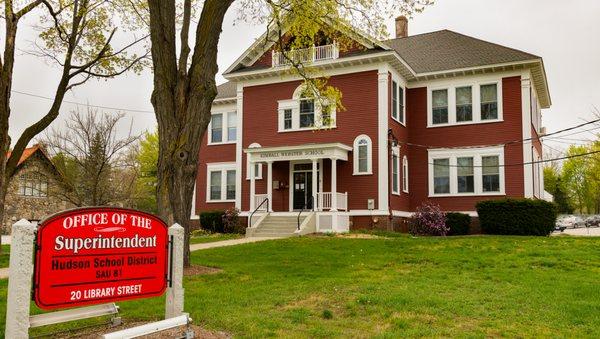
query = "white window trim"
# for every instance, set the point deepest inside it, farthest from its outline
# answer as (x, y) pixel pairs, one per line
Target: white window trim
(397, 119)
(405, 174)
(396, 152)
(259, 173)
(476, 101)
(369, 155)
(477, 154)
(222, 167)
(294, 105)
(225, 129)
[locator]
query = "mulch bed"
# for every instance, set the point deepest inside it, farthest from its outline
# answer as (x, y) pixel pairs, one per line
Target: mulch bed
(178, 332)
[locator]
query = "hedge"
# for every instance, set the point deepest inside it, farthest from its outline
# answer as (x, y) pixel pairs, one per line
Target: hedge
(517, 217)
(458, 223)
(212, 221)
(219, 221)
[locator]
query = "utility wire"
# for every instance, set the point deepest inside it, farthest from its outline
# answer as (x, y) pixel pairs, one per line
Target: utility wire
(512, 141)
(82, 104)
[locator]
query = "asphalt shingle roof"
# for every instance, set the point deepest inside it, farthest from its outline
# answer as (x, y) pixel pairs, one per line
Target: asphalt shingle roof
(446, 50)
(433, 52)
(227, 90)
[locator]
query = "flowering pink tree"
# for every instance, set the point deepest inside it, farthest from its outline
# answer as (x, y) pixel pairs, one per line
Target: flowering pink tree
(429, 220)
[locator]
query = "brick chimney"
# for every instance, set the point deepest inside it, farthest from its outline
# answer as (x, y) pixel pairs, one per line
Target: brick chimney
(401, 27)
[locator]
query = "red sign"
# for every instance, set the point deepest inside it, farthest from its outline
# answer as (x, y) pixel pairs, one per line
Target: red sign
(98, 255)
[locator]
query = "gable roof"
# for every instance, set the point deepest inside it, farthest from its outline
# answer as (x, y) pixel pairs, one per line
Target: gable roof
(447, 50)
(27, 153)
(419, 57)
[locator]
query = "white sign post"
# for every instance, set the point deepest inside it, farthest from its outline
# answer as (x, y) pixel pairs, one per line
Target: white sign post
(174, 298)
(19, 280)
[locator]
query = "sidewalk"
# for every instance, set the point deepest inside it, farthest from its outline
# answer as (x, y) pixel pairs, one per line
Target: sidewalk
(224, 243)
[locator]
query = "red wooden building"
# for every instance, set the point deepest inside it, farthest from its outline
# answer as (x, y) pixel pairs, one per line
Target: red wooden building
(439, 117)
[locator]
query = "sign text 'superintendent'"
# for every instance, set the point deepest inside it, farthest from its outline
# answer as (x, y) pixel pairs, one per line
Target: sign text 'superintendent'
(98, 255)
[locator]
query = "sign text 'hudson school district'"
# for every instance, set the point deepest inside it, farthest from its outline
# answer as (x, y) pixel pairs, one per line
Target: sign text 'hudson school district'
(98, 255)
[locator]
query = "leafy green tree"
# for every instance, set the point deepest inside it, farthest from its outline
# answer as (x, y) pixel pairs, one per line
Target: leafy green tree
(575, 177)
(551, 178)
(561, 199)
(147, 161)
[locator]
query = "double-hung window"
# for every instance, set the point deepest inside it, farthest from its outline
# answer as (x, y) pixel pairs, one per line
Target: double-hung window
(441, 176)
(401, 104)
(232, 126)
(465, 175)
(439, 106)
(464, 104)
(405, 174)
(396, 171)
(362, 154)
(489, 102)
(223, 128)
(221, 185)
(287, 119)
(307, 113)
(491, 173)
(466, 171)
(394, 100)
(216, 128)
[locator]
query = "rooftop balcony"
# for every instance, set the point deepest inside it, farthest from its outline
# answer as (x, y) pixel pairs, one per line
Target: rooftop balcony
(306, 55)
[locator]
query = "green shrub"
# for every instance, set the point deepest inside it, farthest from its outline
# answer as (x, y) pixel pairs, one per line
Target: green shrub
(458, 223)
(231, 221)
(212, 221)
(517, 217)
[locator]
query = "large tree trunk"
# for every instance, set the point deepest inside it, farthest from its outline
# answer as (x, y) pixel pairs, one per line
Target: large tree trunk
(182, 100)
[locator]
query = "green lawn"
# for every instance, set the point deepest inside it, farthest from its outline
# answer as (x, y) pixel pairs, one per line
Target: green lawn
(213, 238)
(479, 286)
(5, 256)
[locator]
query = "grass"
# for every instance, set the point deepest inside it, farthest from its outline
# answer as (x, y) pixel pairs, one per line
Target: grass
(4, 256)
(202, 239)
(482, 286)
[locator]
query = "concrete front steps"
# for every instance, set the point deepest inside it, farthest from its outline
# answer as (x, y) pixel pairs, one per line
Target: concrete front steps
(280, 226)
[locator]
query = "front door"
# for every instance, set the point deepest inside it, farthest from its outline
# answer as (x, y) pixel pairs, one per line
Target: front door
(303, 190)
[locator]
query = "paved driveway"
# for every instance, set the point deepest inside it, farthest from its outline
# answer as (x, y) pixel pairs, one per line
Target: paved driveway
(583, 232)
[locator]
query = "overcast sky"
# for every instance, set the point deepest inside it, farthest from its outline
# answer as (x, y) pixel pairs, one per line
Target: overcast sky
(565, 35)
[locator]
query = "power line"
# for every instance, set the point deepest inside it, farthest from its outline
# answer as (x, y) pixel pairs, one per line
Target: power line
(82, 104)
(523, 163)
(512, 141)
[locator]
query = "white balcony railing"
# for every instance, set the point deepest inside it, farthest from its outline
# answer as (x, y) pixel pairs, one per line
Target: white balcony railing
(325, 201)
(258, 202)
(306, 55)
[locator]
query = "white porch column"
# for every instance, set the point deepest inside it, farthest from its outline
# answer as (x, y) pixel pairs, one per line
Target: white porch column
(252, 185)
(270, 185)
(314, 184)
(333, 184)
